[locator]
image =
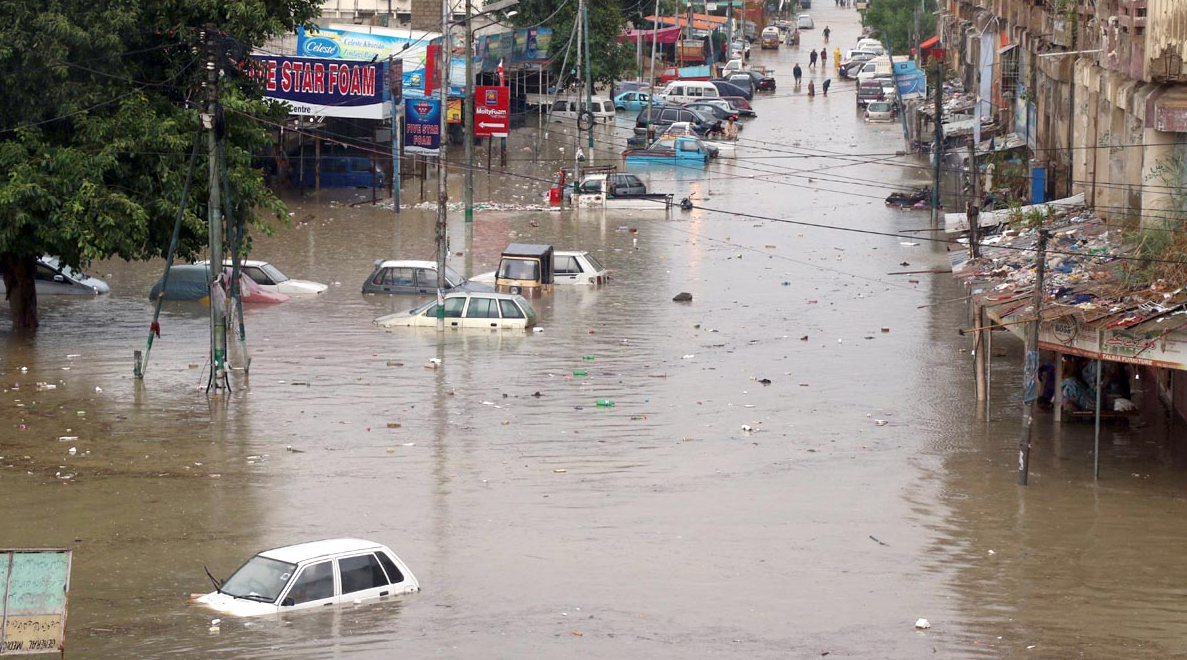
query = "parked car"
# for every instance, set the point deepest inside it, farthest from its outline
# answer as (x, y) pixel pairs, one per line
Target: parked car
(726, 88)
(761, 81)
(53, 277)
(192, 283)
(851, 66)
(869, 90)
(740, 105)
(635, 101)
(661, 118)
(770, 38)
(338, 172)
(408, 276)
(623, 86)
(271, 279)
(311, 575)
(742, 80)
(469, 309)
(620, 184)
(602, 108)
(804, 22)
(879, 111)
(713, 110)
(715, 148)
(573, 266)
(740, 49)
(889, 89)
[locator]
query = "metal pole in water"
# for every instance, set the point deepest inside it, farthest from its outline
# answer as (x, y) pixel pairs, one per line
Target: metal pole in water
(1031, 364)
(442, 167)
(1096, 440)
(214, 127)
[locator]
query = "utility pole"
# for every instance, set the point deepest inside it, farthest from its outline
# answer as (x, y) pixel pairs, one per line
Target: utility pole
(396, 92)
(577, 104)
(1071, 111)
(1030, 368)
(651, 90)
(215, 127)
(468, 118)
(443, 169)
(588, 75)
(972, 206)
(937, 143)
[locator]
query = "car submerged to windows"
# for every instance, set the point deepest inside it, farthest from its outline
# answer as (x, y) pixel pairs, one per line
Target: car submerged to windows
(467, 309)
(311, 575)
(52, 277)
(403, 276)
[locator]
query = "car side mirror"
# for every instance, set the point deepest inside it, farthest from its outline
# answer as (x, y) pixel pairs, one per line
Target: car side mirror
(288, 602)
(59, 278)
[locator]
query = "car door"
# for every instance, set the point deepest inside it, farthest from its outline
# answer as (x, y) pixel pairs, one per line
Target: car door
(426, 281)
(565, 269)
(314, 586)
(453, 311)
(482, 312)
(362, 578)
(512, 315)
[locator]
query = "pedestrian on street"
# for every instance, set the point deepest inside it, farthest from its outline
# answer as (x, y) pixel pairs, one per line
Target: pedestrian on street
(827, 31)
(811, 88)
(797, 72)
(823, 57)
(811, 59)
(827, 82)
(731, 129)
(837, 58)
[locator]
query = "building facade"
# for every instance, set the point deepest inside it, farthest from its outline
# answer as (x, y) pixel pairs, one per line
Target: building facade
(1097, 87)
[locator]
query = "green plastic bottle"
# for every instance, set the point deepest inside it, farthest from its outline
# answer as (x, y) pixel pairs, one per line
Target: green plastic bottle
(580, 372)
(604, 403)
(588, 357)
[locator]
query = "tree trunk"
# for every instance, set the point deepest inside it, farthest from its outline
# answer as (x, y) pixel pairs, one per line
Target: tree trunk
(20, 286)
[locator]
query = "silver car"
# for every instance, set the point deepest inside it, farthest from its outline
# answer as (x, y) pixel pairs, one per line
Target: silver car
(56, 278)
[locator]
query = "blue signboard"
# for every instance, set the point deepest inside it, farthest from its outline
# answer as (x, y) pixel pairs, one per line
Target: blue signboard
(366, 43)
(422, 126)
(912, 84)
(322, 87)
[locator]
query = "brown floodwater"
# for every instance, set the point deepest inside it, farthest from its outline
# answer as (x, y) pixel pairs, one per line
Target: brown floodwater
(549, 527)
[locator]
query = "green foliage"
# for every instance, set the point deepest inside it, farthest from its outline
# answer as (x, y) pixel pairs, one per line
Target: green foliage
(895, 22)
(99, 116)
(610, 60)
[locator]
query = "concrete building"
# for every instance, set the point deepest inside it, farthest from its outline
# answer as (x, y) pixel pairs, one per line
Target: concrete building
(1098, 88)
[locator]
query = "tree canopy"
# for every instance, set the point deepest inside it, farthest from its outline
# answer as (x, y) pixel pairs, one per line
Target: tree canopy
(895, 22)
(610, 60)
(98, 119)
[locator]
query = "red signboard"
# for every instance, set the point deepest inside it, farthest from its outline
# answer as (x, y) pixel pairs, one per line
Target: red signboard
(492, 111)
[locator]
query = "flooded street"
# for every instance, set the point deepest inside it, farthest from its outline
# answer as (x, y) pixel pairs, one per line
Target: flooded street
(546, 526)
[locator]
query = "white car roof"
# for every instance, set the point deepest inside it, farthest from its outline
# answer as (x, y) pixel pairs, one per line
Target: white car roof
(483, 294)
(254, 263)
(300, 552)
(408, 263)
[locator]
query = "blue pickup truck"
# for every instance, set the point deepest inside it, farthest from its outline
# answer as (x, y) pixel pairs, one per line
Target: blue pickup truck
(669, 150)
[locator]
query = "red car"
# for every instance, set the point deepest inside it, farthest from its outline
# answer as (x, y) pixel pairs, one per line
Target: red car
(740, 105)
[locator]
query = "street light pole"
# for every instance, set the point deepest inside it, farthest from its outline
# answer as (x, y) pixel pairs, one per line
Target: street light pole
(442, 163)
(468, 118)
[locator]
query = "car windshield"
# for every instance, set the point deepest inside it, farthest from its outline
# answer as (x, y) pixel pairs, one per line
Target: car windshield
(519, 269)
(275, 274)
(593, 261)
(879, 107)
(526, 307)
(455, 278)
(260, 579)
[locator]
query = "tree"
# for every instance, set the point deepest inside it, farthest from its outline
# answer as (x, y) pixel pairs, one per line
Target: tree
(895, 22)
(98, 118)
(609, 59)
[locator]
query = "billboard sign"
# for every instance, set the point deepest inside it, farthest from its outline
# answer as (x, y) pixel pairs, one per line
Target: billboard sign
(492, 111)
(363, 42)
(322, 87)
(422, 126)
(34, 585)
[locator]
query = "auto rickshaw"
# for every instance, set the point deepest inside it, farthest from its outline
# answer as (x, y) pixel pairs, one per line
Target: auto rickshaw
(526, 270)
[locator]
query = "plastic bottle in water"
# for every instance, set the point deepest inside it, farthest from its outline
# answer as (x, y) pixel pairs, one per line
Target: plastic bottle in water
(604, 403)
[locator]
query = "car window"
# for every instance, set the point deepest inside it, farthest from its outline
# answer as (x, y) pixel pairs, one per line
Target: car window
(257, 275)
(393, 574)
(593, 262)
(566, 266)
(559, 106)
(453, 307)
(689, 145)
(315, 582)
(426, 277)
(519, 269)
(482, 308)
(333, 165)
(45, 273)
(510, 309)
(633, 181)
(361, 573)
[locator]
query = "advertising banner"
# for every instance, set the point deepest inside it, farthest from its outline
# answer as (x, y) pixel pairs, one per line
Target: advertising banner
(364, 42)
(912, 84)
(422, 126)
(34, 589)
(515, 49)
(321, 87)
(492, 111)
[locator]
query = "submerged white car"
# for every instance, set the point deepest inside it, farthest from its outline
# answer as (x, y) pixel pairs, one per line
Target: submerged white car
(469, 309)
(569, 267)
(271, 279)
(879, 111)
(310, 575)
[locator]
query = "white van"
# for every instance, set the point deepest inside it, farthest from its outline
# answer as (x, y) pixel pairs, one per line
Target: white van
(878, 66)
(871, 44)
(603, 108)
(687, 91)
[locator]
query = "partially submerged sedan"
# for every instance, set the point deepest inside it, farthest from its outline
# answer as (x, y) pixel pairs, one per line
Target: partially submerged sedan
(311, 575)
(469, 309)
(418, 277)
(271, 279)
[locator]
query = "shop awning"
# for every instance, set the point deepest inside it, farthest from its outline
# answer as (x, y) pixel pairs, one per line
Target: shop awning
(699, 21)
(668, 35)
(930, 43)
